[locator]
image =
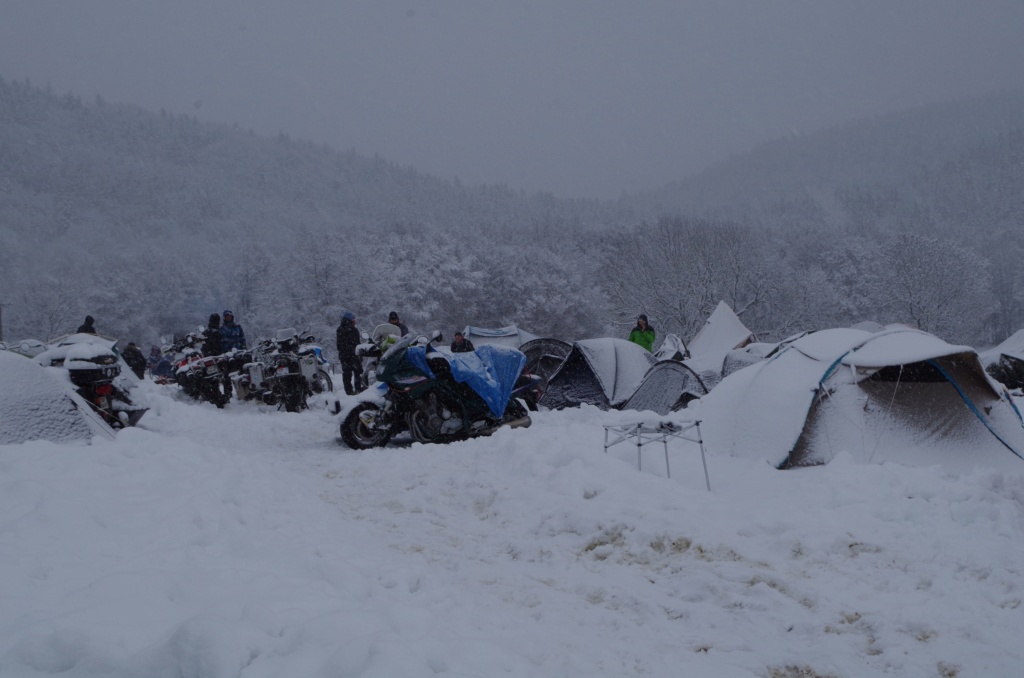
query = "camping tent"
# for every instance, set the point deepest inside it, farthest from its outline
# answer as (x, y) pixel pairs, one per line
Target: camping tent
(505, 336)
(672, 348)
(722, 332)
(668, 386)
(544, 356)
(1005, 362)
(899, 395)
(39, 403)
(603, 372)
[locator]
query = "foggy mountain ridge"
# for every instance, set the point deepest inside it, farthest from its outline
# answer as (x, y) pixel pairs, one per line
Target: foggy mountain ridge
(151, 222)
(880, 151)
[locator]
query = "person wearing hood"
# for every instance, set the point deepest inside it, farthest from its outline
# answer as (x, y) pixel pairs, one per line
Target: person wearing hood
(88, 327)
(643, 333)
(231, 335)
(397, 322)
(211, 336)
(134, 359)
(351, 367)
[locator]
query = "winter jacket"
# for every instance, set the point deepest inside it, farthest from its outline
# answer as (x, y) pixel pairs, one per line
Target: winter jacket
(642, 337)
(348, 338)
(87, 327)
(212, 340)
(465, 347)
(231, 336)
(135, 360)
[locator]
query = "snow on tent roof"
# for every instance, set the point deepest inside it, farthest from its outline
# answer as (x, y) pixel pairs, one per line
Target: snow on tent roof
(901, 395)
(603, 372)
(722, 332)
(1005, 362)
(668, 386)
(505, 336)
(38, 403)
(672, 348)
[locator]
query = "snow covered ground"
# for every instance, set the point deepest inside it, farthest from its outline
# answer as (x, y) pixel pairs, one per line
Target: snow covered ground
(249, 542)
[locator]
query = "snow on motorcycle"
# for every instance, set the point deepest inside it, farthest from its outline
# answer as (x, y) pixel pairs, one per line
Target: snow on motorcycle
(373, 347)
(436, 396)
(312, 361)
(283, 371)
(94, 369)
(201, 377)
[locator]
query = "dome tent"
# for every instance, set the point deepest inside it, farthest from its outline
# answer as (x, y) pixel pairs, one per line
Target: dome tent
(668, 386)
(900, 395)
(603, 372)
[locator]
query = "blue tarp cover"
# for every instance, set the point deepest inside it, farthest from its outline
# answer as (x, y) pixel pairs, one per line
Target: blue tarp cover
(490, 370)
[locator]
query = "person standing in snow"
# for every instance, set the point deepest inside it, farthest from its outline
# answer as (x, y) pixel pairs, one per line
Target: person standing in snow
(643, 333)
(87, 327)
(351, 366)
(397, 322)
(460, 344)
(231, 335)
(134, 359)
(211, 336)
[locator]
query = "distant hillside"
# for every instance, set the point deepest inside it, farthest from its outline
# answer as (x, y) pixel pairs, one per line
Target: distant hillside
(921, 146)
(151, 222)
(93, 194)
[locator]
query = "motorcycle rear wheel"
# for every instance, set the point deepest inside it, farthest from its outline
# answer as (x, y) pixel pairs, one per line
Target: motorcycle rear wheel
(355, 433)
(321, 383)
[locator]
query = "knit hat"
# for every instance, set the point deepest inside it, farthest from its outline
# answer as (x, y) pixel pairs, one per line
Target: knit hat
(348, 315)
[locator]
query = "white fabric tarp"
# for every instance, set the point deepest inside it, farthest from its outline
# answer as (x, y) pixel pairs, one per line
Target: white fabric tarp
(39, 403)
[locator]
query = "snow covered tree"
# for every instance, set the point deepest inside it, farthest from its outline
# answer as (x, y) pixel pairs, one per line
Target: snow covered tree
(938, 286)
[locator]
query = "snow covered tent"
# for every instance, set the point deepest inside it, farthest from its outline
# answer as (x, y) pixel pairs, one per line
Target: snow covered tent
(722, 332)
(900, 395)
(672, 348)
(1005, 362)
(39, 403)
(668, 386)
(603, 372)
(754, 352)
(505, 336)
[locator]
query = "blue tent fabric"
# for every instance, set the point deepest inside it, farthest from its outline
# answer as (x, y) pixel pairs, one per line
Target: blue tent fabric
(491, 371)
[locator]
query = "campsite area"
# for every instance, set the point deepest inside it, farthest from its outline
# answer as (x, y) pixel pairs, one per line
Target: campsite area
(251, 542)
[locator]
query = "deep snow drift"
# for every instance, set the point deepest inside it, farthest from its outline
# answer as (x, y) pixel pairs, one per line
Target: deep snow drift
(249, 542)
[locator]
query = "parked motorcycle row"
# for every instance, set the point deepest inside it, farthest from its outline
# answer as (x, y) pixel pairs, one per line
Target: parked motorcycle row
(417, 391)
(284, 371)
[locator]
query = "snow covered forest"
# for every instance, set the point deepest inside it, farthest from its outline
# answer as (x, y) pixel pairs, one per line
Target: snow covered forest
(150, 222)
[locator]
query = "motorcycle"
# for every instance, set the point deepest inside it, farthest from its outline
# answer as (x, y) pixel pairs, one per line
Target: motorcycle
(373, 347)
(283, 371)
(201, 377)
(312, 361)
(93, 367)
(437, 397)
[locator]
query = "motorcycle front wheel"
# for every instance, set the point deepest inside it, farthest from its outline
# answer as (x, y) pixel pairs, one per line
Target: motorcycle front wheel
(357, 435)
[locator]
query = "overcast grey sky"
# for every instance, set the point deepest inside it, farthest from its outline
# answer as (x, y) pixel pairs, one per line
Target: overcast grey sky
(584, 98)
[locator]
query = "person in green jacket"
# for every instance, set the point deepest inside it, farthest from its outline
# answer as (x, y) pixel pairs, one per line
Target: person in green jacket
(643, 334)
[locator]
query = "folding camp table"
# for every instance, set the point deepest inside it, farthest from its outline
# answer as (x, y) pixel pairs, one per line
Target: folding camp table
(649, 431)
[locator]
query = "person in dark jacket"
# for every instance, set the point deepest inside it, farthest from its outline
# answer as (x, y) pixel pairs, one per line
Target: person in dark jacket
(460, 344)
(231, 335)
(397, 322)
(211, 336)
(351, 366)
(643, 333)
(87, 327)
(134, 359)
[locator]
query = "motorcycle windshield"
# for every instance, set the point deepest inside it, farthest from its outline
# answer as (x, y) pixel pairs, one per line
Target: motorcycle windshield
(491, 371)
